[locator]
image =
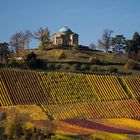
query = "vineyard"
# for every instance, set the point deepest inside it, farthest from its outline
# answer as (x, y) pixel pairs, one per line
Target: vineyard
(72, 95)
(72, 88)
(23, 87)
(133, 84)
(111, 109)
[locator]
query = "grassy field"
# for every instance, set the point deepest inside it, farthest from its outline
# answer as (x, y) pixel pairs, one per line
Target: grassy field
(79, 56)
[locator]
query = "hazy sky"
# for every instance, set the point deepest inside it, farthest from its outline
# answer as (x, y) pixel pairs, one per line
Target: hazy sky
(88, 18)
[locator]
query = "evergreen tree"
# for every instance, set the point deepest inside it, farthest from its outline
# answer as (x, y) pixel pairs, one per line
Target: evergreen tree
(119, 43)
(133, 45)
(4, 51)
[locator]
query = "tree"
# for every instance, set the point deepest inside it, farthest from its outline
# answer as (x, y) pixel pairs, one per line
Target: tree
(31, 56)
(43, 35)
(106, 40)
(92, 46)
(18, 41)
(32, 61)
(4, 51)
(28, 37)
(136, 37)
(133, 45)
(119, 43)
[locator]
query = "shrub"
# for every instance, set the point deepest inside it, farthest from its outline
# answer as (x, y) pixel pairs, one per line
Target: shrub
(76, 66)
(30, 56)
(51, 66)
(12, 62)
(93, 68)
(131, 64)
(113, 70)
(95, 60)
(15, 63)
(84, 67)
(59, 55)
(124, 73)
(58, 66)
(32, 62)
(42, 46)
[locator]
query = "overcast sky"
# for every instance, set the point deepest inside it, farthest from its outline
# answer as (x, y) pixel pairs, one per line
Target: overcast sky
(88, 18)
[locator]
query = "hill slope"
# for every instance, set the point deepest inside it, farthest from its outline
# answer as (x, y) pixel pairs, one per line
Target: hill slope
(61, 94)
(81, 106)
(72, 60)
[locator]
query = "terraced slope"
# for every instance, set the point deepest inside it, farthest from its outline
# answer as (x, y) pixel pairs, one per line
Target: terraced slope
(67, 88)
(71, 95)
(133, 85)
(107, 88)
(72, 88)
(5, 99)
(22, 86)
(129, 108)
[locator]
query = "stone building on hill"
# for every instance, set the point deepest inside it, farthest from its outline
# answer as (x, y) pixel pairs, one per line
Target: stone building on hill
(65, 37)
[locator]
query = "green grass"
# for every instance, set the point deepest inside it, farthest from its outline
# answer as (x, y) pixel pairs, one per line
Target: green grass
(120, 69)
(71, 137)
(83, 57)
(96, 136)
(79, 56)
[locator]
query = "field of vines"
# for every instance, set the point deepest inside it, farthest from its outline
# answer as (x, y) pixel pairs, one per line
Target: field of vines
(107, 87)
(71, 95)
(129, 108)
(72, 88)
(133, 85)
(22, 87)
(5, 99)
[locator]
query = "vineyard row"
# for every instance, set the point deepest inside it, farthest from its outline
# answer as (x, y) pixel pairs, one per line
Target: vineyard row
(129, 108)
(23, 87)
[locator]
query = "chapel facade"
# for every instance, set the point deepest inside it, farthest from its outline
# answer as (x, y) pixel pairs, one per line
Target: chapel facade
(65, 37)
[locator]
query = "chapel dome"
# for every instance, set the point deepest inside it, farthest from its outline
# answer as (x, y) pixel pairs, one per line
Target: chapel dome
(65, 30)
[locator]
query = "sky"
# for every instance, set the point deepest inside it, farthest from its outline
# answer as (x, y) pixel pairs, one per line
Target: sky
(88, 18)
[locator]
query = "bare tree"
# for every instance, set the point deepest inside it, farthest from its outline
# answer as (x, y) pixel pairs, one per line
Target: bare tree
(93, 46)
(18, 41)
(106, 40)
(28, 37)
(43, 35)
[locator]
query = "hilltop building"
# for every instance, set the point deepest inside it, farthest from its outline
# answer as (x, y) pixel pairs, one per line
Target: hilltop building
(65, 37)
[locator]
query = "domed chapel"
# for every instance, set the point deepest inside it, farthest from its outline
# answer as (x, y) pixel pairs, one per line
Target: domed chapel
(65, 37)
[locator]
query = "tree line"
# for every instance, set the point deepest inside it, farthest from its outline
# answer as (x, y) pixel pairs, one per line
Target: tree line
(21, 40)
(118, 44)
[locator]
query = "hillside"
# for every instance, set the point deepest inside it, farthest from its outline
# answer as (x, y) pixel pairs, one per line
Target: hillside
(79, 56)
(97, 62)
(71, 105)
(88, 91)
(69, 129)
